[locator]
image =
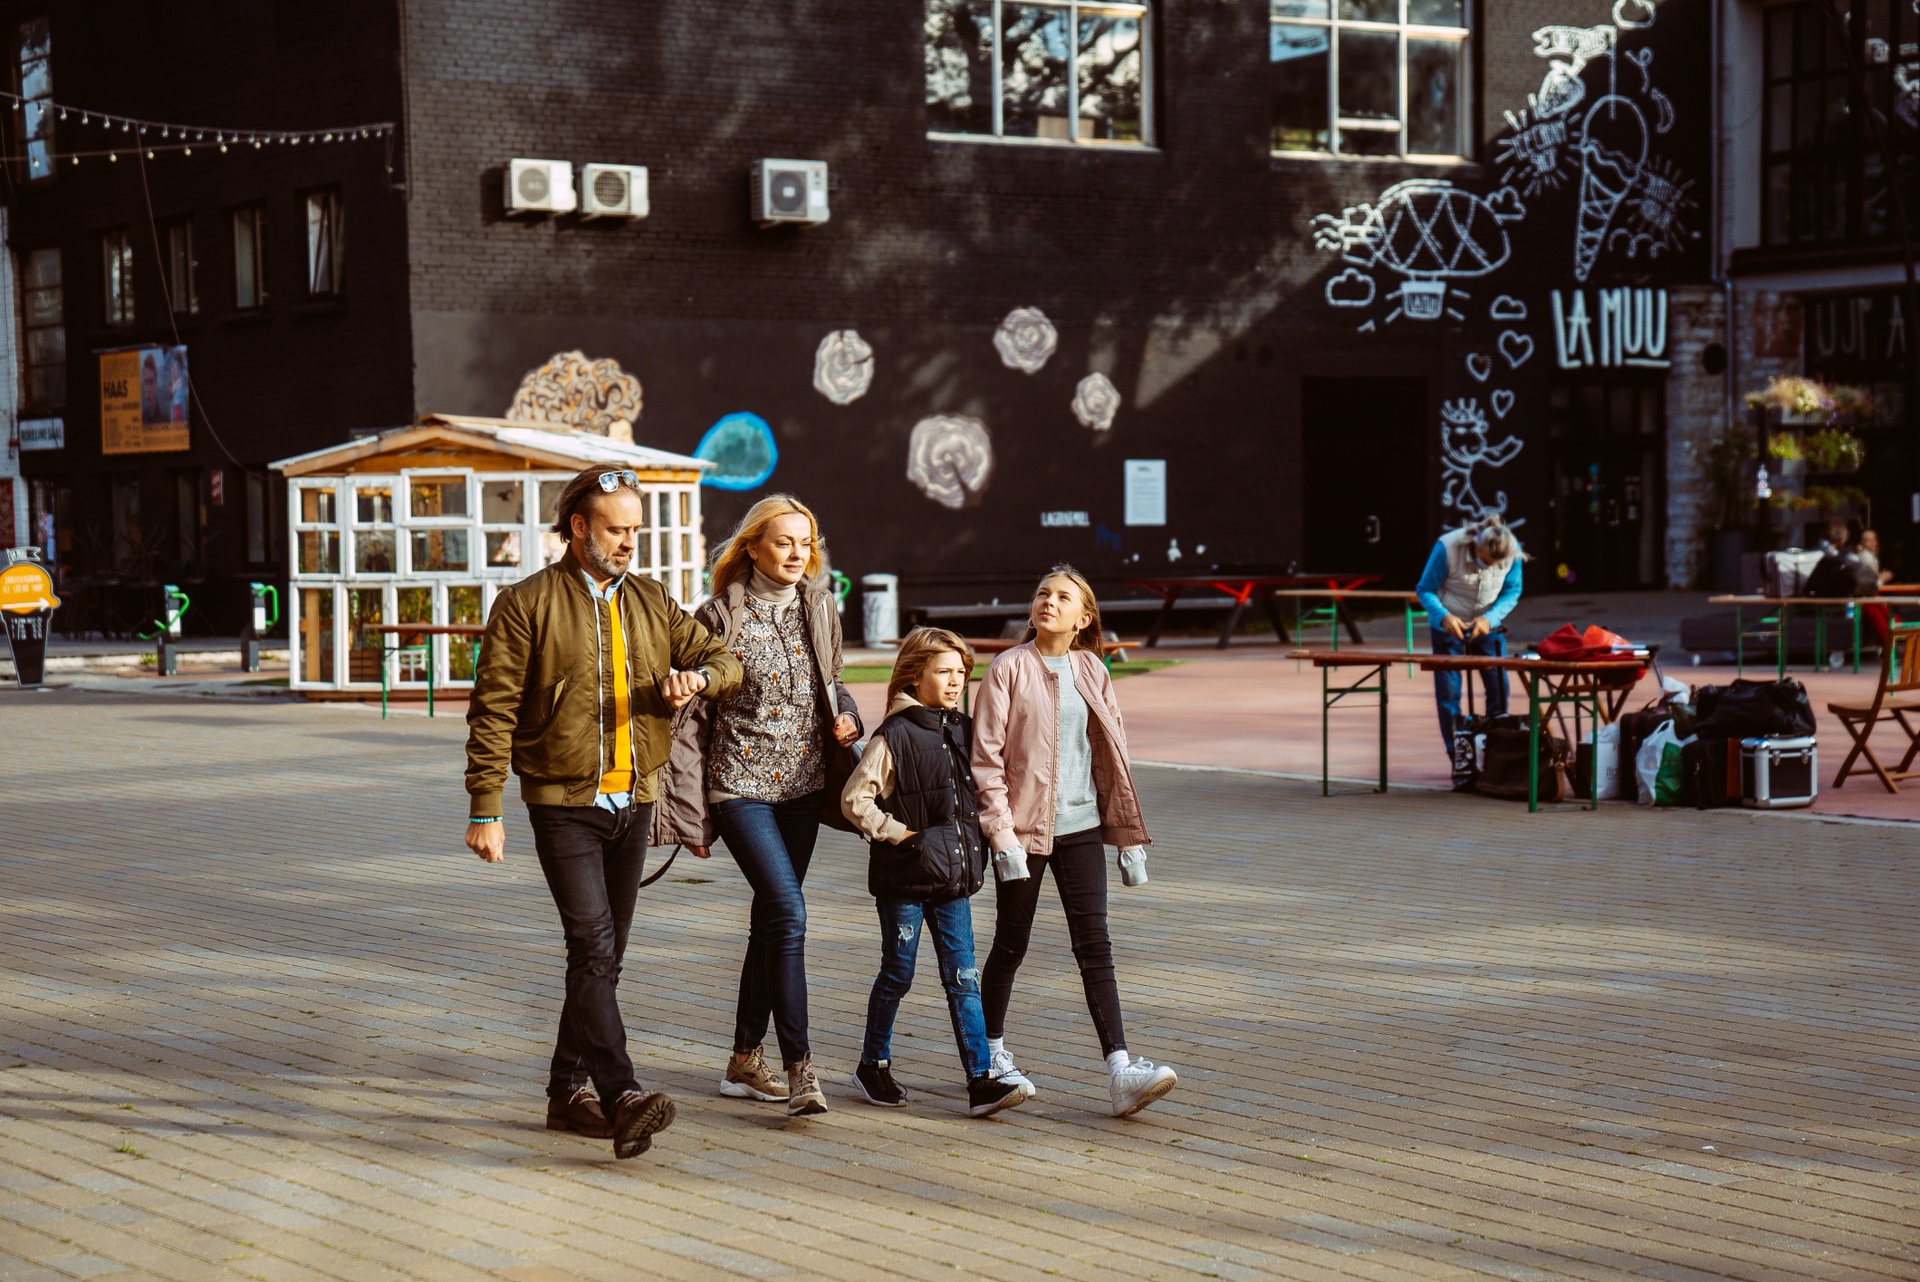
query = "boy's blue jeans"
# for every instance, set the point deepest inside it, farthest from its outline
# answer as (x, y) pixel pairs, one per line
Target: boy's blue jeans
(950, 921)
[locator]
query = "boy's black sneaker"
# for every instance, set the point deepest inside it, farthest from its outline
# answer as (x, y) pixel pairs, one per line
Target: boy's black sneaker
(988, 1095)
(876, 1083)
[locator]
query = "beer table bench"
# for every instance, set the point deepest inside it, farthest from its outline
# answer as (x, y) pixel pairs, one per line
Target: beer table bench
(1783, 607)
(1594, 685)
(472, 630)
(1242, 588)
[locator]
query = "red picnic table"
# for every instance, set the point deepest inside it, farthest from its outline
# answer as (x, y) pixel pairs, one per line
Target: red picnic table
(1243, 588)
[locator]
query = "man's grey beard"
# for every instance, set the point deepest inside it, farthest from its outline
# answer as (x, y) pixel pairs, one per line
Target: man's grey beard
(599, 562)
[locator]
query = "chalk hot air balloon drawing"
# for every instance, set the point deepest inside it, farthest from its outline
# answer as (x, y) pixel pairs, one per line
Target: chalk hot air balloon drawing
(1428, 232)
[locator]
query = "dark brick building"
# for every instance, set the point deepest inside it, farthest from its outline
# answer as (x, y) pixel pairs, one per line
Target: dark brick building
(1147, 176)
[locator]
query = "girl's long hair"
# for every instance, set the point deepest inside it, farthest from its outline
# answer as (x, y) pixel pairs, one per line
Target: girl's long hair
(731, 563)
(1090, 637)
(919, 648)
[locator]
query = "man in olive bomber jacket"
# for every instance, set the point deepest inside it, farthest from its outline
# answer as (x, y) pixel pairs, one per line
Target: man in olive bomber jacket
(580, 671)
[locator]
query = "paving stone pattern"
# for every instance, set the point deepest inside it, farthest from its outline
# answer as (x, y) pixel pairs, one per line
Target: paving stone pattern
(262, 1016)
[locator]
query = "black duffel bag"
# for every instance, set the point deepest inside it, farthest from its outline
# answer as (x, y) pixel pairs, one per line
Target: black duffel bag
(1505, 772)
(1749, 709)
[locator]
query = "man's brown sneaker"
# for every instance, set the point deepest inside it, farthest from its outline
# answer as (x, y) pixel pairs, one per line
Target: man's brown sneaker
(804, 1096)
(749, 1077)
(637, 1117)
(579, 1113)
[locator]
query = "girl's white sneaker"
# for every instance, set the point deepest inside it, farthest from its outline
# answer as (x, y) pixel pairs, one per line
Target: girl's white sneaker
(1139, 1084)
(1002, 1068)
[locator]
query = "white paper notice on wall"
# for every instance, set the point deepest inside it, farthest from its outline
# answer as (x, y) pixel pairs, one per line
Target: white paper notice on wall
(1146, 491)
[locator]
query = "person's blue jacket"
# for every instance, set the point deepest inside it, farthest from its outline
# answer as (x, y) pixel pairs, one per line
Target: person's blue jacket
(1435, 576)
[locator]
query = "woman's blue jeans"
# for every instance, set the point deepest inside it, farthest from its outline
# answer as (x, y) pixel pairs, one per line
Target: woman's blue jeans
(1446, 685)
(950, 922)
(772, 841)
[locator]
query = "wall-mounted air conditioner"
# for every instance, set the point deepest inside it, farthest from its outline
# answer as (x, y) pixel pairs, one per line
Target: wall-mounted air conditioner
(789, 191)
(540, 187)
(613, 191)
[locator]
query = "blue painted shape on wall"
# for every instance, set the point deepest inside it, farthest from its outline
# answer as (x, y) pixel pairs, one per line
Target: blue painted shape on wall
(742, 445)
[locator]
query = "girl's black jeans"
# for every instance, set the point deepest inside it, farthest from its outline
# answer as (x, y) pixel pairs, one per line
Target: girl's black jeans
(1079, 864)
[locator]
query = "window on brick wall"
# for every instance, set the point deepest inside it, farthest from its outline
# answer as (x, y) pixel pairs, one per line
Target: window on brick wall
(250, 256)
(326, 242)
(1826, 174)
(116, 276)
(1369, 77)
(1060, 71)
(43, 322)
(183, 269)
(33, 109)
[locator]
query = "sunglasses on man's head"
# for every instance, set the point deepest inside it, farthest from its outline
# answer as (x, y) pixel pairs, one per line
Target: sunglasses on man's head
(611, 481)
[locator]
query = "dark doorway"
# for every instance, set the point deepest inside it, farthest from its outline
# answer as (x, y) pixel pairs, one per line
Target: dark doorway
(1609, 453)
(1364, 474)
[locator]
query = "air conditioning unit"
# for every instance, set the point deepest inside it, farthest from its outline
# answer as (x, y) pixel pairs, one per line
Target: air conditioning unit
(540, 187)
(789, 191)
(613, 191)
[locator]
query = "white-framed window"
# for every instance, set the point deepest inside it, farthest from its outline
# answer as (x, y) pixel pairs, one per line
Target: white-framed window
(1070, 71)
(1369, 77)
(439, 523)
(503, 522)
(376, 548)
(316, 527)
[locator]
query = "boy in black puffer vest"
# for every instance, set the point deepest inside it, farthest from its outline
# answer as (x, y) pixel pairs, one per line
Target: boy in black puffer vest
(912, 796)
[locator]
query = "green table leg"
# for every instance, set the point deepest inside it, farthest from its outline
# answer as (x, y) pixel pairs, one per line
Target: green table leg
(1333, 626)
(1856, 612)
(1409, 608)
(1780, 644)
(1819, 638)
(1593, 784)
(1739, 644)
(429, 677)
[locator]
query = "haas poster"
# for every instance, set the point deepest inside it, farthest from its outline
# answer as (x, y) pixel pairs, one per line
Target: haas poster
(143, 400)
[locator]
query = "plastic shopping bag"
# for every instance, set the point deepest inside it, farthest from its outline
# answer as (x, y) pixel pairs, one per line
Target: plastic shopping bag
(1657, 767)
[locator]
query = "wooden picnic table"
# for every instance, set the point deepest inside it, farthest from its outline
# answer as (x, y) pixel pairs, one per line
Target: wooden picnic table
(1783, 607)
(474, 630)
(1594, 683)
(1242, 588)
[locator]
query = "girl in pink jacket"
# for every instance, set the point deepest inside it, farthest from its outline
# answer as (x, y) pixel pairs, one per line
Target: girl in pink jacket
(1050, 769)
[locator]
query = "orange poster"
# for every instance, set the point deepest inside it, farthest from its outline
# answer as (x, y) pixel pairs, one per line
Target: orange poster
(143, 400)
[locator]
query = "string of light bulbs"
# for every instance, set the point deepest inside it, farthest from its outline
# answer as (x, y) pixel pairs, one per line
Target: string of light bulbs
(189, 136)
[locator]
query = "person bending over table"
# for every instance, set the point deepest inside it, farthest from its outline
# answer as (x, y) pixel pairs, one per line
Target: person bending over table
(1470, 585)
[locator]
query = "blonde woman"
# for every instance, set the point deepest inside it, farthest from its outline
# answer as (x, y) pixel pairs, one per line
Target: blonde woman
(755, 769)
(1050, 766)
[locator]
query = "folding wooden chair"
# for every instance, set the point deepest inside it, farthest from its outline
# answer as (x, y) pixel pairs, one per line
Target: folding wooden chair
(1899, 672)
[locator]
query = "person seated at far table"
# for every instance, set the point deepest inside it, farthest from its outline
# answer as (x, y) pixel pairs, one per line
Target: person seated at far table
(1470, 585)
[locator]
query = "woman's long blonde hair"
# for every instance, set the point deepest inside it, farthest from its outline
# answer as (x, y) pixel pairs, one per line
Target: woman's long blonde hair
(1090, 637)
(732, 563)
(919, 648)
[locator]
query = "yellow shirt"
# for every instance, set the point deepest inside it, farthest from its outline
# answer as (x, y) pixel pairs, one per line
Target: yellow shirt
(620, 777)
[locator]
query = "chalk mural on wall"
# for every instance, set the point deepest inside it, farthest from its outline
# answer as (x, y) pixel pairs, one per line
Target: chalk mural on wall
(1427, 232)
(741, 445)
(572, 391)
(843, 367)
(950, 459)
(1629, 201)
(1026, 339)
(1096, 401)
(1588, 141)
(1463, 447)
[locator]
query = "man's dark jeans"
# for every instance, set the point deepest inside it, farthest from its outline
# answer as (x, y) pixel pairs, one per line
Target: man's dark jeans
(773, 844)
(1446, 685)
(593, 860)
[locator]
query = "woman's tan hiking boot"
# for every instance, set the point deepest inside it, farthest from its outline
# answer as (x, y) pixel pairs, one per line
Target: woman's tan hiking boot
(749, 1077)
(804, 1096)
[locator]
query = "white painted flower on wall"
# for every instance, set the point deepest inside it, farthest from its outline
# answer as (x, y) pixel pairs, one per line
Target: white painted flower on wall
(1096, 401)
(950, 458)
(843, 367)
(1026, 339)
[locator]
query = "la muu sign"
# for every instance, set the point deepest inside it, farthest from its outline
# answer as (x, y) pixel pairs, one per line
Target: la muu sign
(1610, 327)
